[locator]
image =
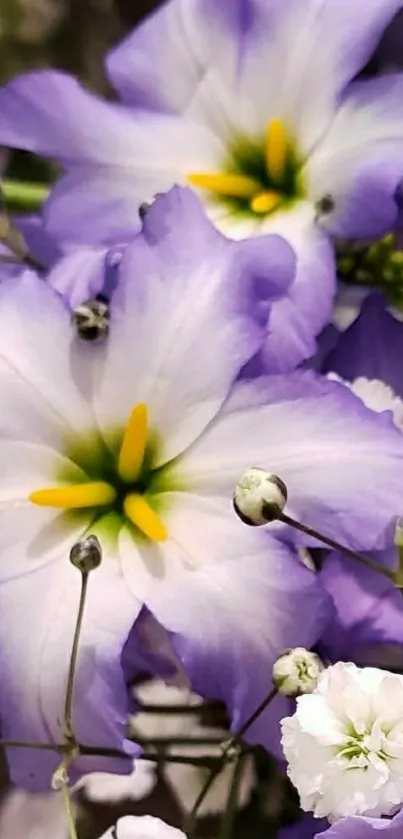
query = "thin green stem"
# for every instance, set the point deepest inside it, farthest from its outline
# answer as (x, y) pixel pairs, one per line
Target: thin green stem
(227, 824)
(232, 743)
(359, 557)
(29, 196)
(67, 714)
(69, 812)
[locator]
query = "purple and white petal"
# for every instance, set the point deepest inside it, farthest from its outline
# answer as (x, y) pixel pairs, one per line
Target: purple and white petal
(190, 297)
(38, 617)
(242, 592)
(368, 609)
(360, 160)
(318, 438)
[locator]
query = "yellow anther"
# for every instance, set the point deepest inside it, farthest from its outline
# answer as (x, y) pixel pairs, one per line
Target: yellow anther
(265, 202)
(236, 186)
(74, 496)
(276, 149)
(138, 510)
(134, 444)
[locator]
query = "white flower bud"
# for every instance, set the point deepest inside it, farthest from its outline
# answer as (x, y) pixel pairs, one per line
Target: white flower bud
(297, 671)
(259, 497)
(86, 554)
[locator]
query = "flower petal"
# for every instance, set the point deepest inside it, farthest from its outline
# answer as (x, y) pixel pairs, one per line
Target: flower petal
(340, 461)
(181, 358)
(142, 827)
(360, 160)
(370, 347)
(362, 827)
(238, 591)
(34, 666)
(297, 318)
(368, 609)
(41, 369)
(283, 60)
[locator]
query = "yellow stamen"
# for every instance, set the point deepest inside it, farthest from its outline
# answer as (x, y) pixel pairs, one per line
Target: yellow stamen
(265, 202)
(238, 186)
(140, 513)
(276, 149)
(96, 494)
(134, 444)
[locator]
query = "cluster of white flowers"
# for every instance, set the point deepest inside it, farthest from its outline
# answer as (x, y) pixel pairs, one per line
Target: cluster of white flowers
(344, 743)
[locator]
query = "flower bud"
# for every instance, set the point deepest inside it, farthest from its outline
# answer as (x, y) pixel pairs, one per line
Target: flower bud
(91, 319)
(86, 554)
(297, 671)
(259, 497)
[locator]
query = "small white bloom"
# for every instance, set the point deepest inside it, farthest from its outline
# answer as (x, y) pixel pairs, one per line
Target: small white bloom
(344, 744)
(259, 496)
(297, 671)
(142, 827)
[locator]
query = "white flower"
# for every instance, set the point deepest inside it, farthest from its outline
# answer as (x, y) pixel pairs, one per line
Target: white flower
(142, 827)
(344, 744)
(297, 671)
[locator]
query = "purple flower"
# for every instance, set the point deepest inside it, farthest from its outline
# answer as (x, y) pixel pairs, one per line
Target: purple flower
(141, 440)
(270, 134)
(353, 827)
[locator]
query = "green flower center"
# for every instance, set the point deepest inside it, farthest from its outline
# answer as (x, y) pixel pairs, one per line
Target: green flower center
(259, 177)
(121, 485)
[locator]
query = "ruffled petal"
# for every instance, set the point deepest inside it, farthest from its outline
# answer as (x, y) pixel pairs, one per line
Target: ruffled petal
(195, 322)
(360, 160)
(340, 461)
(34, 666)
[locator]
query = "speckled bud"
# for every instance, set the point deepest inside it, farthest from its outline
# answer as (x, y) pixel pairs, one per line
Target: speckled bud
(259, 497)
(86, 554)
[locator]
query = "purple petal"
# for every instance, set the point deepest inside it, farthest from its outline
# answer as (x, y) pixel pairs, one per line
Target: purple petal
(197, 349)
(368, 608)
(40, 244)
(250, 46)
(34, 666)
(117, 158)
(362, 827)
(297, 318)
(306, 828)
(340, 461)
(360, 160)
(231, 596)
(371, 347)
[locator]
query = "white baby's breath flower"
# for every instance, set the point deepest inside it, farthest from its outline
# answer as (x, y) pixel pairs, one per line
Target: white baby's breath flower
(344, 744)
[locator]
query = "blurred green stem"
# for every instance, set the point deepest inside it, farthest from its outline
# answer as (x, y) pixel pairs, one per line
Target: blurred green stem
(24, 195)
